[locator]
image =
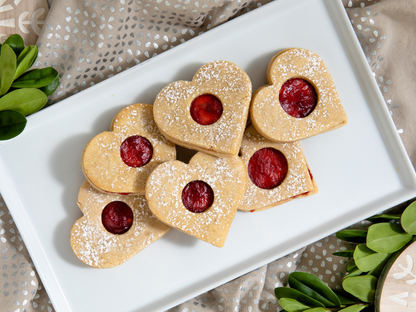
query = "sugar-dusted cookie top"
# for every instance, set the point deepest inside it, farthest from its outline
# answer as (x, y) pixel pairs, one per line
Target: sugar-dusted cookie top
(199, 198)
(113, 229)
(278, 172)
(209, 113)
(119, 161)
(301, 100)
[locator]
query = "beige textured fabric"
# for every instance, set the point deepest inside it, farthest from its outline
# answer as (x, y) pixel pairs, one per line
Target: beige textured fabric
(89, 41)
(25, 18)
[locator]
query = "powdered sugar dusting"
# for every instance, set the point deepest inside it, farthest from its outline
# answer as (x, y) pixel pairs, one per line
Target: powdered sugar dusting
(297, 180)
(269, 117)
(230, 85)
(101, 161)
(228, 180)
(97, 247)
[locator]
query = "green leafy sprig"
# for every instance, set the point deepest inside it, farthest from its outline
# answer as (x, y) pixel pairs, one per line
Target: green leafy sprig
(387, 237)
(307, 293)
(22, 91)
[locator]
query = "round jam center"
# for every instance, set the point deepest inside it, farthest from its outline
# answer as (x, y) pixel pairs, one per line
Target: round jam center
(136, 151)
(206, 109)
(197, 196)
(267, 168)
(297, 97)
(117, 217)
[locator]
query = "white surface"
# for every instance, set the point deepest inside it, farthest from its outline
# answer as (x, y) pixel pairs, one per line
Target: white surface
(361, 169)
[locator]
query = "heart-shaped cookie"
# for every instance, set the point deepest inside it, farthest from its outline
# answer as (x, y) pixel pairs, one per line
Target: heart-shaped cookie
(278, 172)
(301, 100)
(209, 113)
(120, 161)
(113, 229)
(199, 198)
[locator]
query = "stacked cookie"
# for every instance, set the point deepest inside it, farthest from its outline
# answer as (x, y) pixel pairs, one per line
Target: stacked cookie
(236, 167)
(117, 223)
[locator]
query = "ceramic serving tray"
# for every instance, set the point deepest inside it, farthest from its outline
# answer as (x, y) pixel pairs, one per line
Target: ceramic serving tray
(361, 169)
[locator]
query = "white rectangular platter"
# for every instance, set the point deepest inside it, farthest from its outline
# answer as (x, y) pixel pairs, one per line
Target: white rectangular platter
(361, 169)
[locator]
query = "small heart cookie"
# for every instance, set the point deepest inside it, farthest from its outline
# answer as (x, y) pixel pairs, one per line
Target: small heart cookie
(113, 229)
(209, 113)
(199, 198)
(301, 100)
(120, 161)
(277, 172)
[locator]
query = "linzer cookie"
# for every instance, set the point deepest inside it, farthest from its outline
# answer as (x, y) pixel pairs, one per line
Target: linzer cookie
(199, 198)
(120, 161)
(209, 113)
(113, 229)
(278, 172)
(301, 100)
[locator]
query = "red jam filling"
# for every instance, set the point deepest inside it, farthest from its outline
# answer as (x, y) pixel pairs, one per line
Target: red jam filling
(310, 174)
(117, 217)
(197, 196)
(267, 168)
(136, 151)
(297, 97)
(206, 109)
(300, 195)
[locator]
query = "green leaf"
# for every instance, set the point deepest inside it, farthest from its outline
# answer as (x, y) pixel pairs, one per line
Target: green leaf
(363, 287)
(387, 237)
(353, 236)
(313, 287)
(285, 292)
(317, 310)
(292, 305)
(352, 269)
(24, 101)
(7, 68)
(367, 259)
(36, 78)
(50, 88)
(26, 60)
(344, 253)
(354, 308)
(351, 266)
(11, 124)
(355, 272)
(378, 269)
(408, 219)
(16, 43)
(345, 298)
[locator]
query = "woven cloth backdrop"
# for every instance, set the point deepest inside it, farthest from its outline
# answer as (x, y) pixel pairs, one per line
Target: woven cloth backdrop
(90, 41)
